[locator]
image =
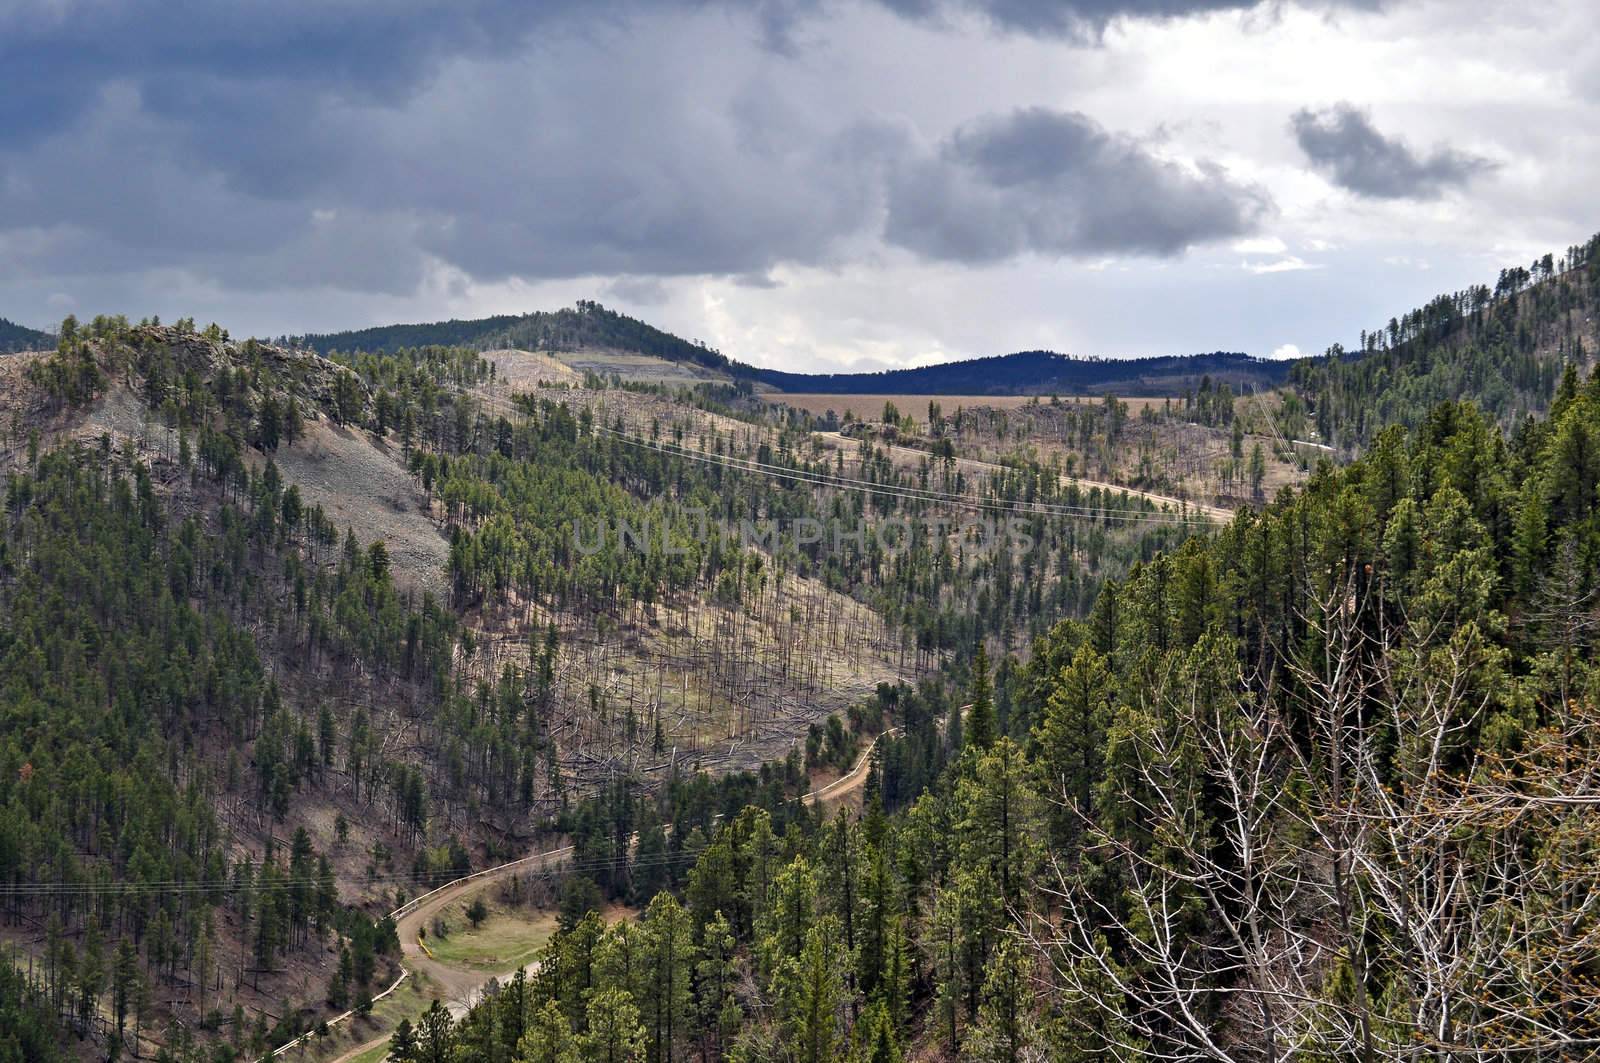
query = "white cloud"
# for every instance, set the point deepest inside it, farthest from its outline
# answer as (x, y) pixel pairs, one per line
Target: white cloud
(1287, 264)
(1261, 245)
(1285, 352)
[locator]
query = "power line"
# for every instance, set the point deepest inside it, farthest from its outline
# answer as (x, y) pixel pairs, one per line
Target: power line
(902, 492)
(442, 877)
(177, 888)
(1064, 509)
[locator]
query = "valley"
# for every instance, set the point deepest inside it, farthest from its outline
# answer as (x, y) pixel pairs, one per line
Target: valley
(887, 531)
(305, 654)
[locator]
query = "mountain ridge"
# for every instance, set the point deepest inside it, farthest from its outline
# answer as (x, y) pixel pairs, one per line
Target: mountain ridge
(1503, 347)
(15, 337)
(586, 324)
(589, 325)
(1041, 372)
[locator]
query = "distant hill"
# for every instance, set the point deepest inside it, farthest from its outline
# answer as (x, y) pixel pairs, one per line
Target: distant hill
(1040, 373)
(14, 337)
(1502, 347)
(588, 325)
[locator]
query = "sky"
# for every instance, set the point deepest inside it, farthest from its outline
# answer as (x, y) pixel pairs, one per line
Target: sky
(804, 184)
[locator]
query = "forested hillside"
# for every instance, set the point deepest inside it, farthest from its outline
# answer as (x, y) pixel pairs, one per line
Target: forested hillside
(585, 325)
(732, 625)
(588, 325)
(186, 773)
(1319, 788)
(236, 733)
(1502, 347)
(1317, 780)
(14, 337)
(1041, 373)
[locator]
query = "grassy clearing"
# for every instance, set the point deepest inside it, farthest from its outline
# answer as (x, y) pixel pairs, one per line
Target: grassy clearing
(503, 942)
(407, 1002)
(509, 938)
(372, 1055)
(870, 407)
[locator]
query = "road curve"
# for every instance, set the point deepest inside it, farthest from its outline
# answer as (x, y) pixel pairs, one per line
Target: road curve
(852, 780)
(462, 987)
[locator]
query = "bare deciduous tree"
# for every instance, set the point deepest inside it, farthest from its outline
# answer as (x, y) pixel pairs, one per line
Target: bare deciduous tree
(1380, 882)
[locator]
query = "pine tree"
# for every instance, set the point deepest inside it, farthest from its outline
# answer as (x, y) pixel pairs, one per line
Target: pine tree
(549, 1038)
(998, 819)
(1070, 740)
(202, 961)
(810, 992)
(1004, 1033)
(667, 996)
(650, 862)
(403, 1044)
(880, 908)
(339, 984)
(980, 718)
(875, 1034)
(894, 989)
(435, 1035)
(614, 1033)
(781, 928)
(90, 977)
(718, 1012)
(124, 975)
(944, 939)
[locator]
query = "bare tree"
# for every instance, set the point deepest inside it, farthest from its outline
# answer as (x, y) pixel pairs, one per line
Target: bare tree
(1344, 866)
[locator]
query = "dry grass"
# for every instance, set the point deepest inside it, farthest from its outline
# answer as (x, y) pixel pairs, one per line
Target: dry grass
(362, 483)
(526, 370)
(636, 368)
(870, 407)
(510, 938)
(375, 1054)
(408, 1002)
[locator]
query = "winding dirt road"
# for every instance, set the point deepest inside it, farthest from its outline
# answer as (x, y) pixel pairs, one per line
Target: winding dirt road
(459, 989)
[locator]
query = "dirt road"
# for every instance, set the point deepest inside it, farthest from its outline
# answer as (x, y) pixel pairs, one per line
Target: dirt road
(459, 989)
(853, 780)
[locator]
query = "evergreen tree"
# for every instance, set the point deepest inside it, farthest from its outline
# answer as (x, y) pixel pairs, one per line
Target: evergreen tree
(810, 993)
(1070, 740)
(403, 1044)
(667, 996)
(980, 718)
(435, 1035)
(549, 1038)
(614, 1033)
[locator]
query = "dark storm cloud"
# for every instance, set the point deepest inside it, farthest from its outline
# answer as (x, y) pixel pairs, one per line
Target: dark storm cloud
(1342, 142)
(274, 145)
(679, 183)
(589, 152)
(637, 291)
(1057, 183)
(58, 54)
(203, 60)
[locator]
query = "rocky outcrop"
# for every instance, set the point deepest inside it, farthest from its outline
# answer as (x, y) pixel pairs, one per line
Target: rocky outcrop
(324, 384)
